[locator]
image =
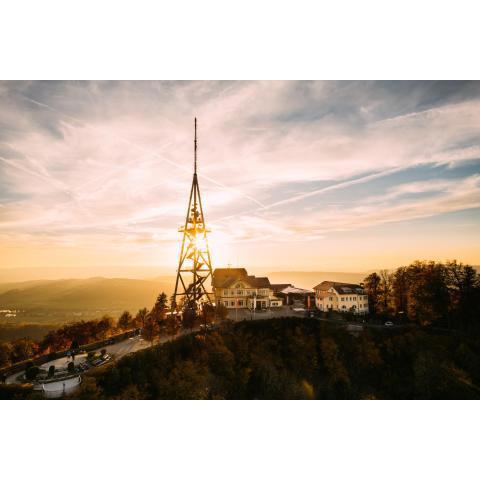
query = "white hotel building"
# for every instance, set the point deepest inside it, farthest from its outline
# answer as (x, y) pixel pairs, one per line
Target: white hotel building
(341, 297)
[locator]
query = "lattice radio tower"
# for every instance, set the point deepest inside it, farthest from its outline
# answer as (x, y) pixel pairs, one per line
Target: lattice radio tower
(194, 265)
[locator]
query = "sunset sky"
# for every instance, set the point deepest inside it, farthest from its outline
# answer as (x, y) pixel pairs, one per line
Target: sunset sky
(345, 176)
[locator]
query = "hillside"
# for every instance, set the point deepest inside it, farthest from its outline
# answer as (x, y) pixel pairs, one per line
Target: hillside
(295, 359)
(79, 294)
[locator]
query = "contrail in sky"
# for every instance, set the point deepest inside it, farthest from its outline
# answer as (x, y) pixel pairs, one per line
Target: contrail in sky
(144, 150)
(302, 196)
(347, 183)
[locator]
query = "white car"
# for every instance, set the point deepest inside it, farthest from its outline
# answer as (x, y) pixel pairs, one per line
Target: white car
(389, 324)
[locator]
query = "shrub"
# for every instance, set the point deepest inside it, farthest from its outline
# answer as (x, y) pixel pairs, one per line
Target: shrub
(51, 371)
(31, 372)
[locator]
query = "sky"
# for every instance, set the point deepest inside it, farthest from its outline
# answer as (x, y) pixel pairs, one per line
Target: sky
(298, 175)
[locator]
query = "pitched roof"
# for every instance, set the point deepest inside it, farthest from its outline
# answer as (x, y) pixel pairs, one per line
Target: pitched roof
(225, 277)
(259, 282)
(340, 287)
(278, 287)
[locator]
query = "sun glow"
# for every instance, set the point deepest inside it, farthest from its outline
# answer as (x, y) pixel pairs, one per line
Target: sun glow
(222, 253)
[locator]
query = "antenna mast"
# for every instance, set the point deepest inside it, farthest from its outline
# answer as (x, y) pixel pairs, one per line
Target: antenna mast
(195, 149)
(194, 264)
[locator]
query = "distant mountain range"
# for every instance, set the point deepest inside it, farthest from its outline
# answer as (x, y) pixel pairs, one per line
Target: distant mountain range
(128, 293)
(22, 274)
(84, 294)
(124, 293)
(308, 280)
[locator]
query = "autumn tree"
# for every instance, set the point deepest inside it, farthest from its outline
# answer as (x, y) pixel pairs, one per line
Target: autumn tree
(428, 296)
(125, 321)
(141, 316)
(105, 326)
(385, 291)
(22, 349)
(150, 328)
(372, 289)
(400, 285)
(337, 373)
(463, 284)
(5, 354)
(172, 325)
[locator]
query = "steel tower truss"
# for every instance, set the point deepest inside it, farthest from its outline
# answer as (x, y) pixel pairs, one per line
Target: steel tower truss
(194, 265)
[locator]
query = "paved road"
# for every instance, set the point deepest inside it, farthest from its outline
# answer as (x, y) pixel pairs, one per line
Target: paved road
(62, 387)
(117, 350)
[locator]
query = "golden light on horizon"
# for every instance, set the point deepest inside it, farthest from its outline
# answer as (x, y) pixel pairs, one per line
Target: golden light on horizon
(282, 188)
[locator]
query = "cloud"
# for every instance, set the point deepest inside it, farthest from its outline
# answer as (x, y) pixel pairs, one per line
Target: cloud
(81, 161)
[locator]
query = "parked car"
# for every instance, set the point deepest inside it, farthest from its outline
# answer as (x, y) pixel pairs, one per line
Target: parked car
(389, 324)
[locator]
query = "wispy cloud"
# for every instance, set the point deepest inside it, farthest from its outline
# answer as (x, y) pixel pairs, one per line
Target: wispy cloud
(279, 161)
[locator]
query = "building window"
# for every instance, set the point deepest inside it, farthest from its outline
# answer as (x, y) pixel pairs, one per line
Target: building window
(225, 293)
(239, 292)
(240, 303)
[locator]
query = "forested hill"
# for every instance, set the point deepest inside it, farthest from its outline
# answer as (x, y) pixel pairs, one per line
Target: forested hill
(296, 359)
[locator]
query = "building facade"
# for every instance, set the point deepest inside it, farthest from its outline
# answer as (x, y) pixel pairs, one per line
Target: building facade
(234, 288)
(341, 297)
